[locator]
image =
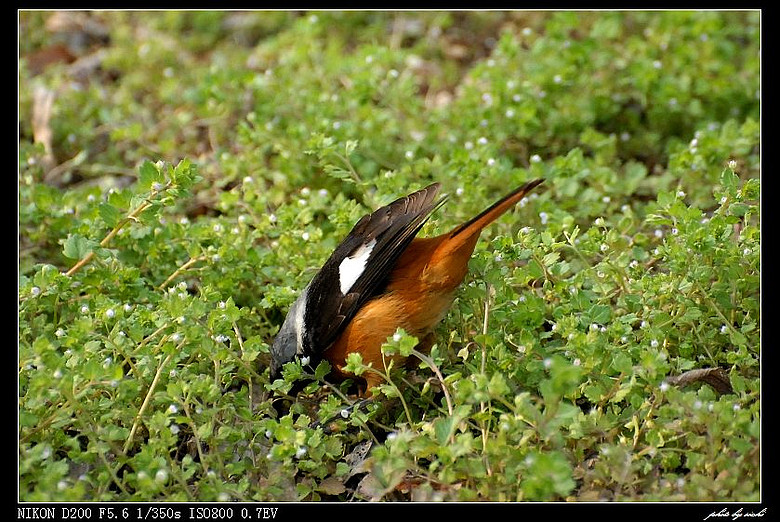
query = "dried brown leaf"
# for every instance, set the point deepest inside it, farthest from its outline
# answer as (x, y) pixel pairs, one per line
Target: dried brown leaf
(715, 377)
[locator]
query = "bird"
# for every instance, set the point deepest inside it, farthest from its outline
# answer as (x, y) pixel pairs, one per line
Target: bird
(380, 278)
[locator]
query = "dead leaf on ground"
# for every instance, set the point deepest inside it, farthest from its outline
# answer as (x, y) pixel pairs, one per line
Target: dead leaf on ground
(43, 100)
(715, 377)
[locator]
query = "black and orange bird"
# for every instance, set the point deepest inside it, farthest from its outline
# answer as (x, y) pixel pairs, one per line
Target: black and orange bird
(381, 278)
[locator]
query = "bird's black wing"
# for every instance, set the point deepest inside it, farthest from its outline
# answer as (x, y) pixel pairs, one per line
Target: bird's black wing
(360, 265)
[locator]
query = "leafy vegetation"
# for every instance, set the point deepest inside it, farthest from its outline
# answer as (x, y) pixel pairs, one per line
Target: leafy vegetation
(183, 174)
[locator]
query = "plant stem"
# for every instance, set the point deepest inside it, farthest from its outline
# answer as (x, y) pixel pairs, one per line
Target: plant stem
(181, 269)
(149, 393)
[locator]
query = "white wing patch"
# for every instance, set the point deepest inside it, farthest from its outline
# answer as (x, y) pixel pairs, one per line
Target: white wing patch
(351, 267)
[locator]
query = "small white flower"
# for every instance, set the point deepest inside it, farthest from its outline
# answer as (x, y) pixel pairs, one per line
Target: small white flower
(91, 198)
(248, 179)
(657, 64)
(173, 409)
(161, 476)
(724, 329)
(606, 199)
(723, 200)
(577, 362)
(625, 136)
(536, 158)
(222, 305)
(305, 236)
(633, 264)
(157, 186)
(697, 405)
(573, 290)
(604, 247)
(491, 162)
(509, 113)
(344, 413)
(694, 143)
(603, 329)
(369, 59)
(482, 140)
(217, 227)
(516, 98)
(658, 233)
(272, 218)
(557, 78)
(736, 407)
(127, 307)
(396, 337)
(527, 31)
(216, 258)
(643, 324)
(498, 258)
(176, 337)
(392, 435)
(599, 222)
(305, 360)
(547, 362)
(84, 309)
(594, 327)
(305, 191)
(175, 428)
(747, 252)
(468, 145)
(57, 374)
(110, 313)
(733, 164)
(184, 221)
(675, 231)
(654, 343)
(543, 217)
(300, 452)
(664, 386)
(62, 485)
(680, 194)
(35, 291)
(393, 73)
(459, 191)
(60, 332)
(487, 98)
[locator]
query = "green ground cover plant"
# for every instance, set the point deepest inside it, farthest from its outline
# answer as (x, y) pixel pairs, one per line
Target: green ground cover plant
(182, 175)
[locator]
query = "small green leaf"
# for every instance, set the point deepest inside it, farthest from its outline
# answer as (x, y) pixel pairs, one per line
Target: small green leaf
(109, 214)
(77, 246)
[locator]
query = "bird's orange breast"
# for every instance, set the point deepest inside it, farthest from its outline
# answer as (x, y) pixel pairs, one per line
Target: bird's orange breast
(416, 298)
